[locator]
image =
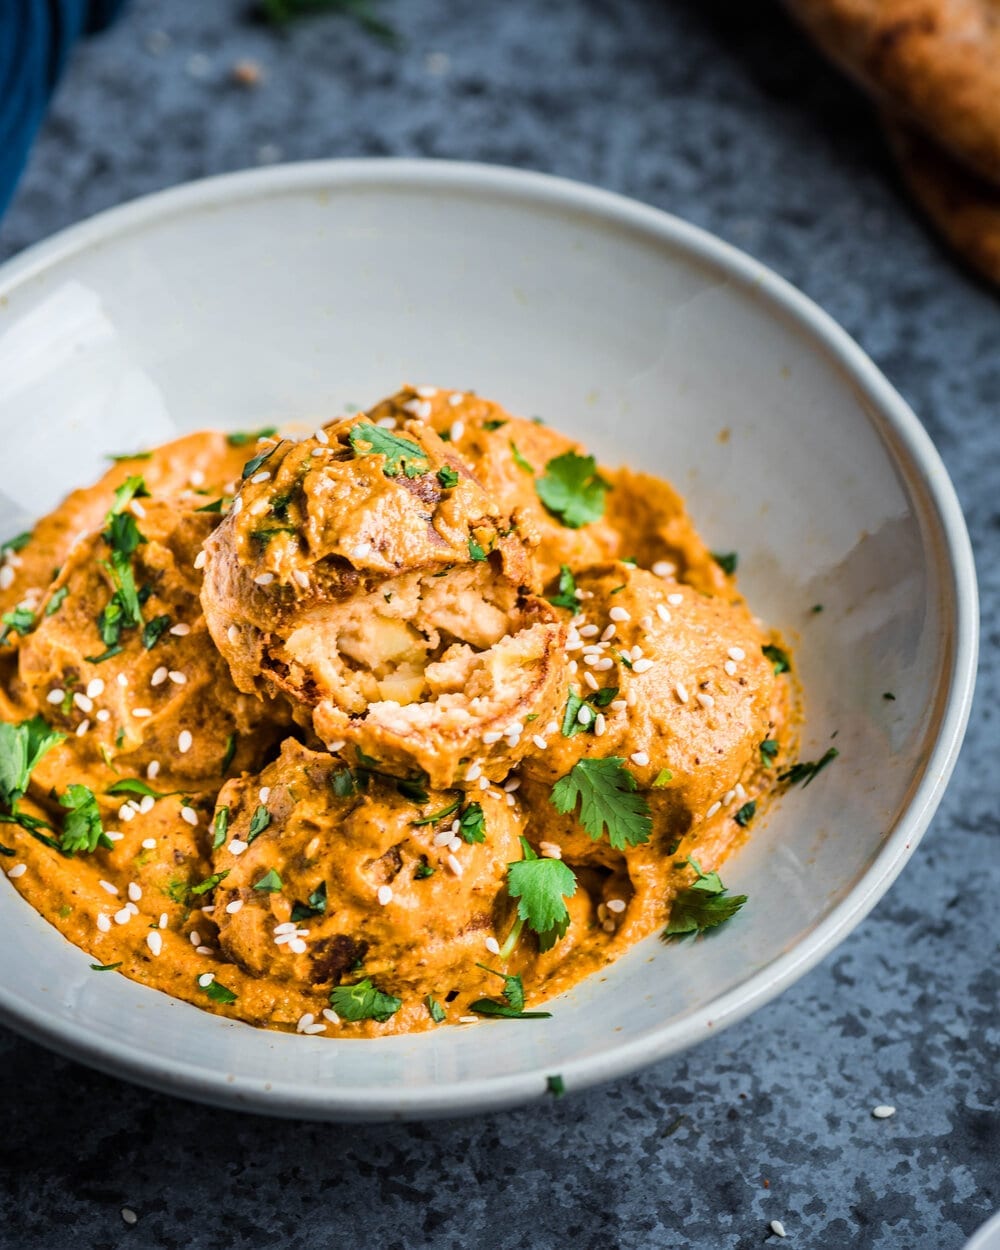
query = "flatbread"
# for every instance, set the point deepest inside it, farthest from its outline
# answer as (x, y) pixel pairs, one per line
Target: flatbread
(965, 209)
(934, 62)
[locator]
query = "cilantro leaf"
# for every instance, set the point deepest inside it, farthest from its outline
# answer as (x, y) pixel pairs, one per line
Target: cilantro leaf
(270, 882)
(434, 817)
(447, 476)
(555, 1085)
(106, 967)
(435, 1010)
(17, 543)
(607, 797)
(252, 465)
(489, 1007)
(566, 598)
(20, 621)
(121, 457)
(572, 489)
(402, 455)
(56, 601)
(541, 887)
(778, 657)
(472, 824)
(768, 750)
(82, 828)
(513, 987)
(423, 871)
(519, 460)
(363, 1001)
(240, 438)
(475, 550)
(805, 772)
(315, 907)
(726, 560)
(701, 906)
(230, 751)
(153, 631)
(662, 778)
(21, 749)
(218, 992)
(746, 814)
(259, 821)
(209, 883)
(493, 424)
(132, 488)
(133, 785)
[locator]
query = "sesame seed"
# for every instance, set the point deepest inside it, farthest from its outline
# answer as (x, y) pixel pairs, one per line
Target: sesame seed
(199, 560)
(777, 1228)
(484, 782)
(141, 712)
(149, 844)
(106, 885)
(95, 688)
(305, 1019)
(126, 813)
(512, 784)
(664, 568)
(265, 793)
(646, 622)
(602, 666)
(83, 703)
(705, 700)
(491, 737)
(712, 810)
(122, 680)
(334, 747)
(264, 579)
(129, 1216)
(550, 850)
(730, 667)
(233, 907)
(384, 895)
(639, 757)
(509, 799)
(455, 398)
(6, 577)
(302, 578)
(153, 770)
(184, 741)
(206, 979)
(159, 677)
(103, 922)
(56, 696)
(619, 614)
(263, 476)
(163, 919)
(540, 742)
(123, 916)
(591, 681)
(259, 507)
(475, 770)
(321, 436)
(585, 715)
(286, 926)
(237, 507)
(883, 1111)
(552, 727)
(233, 633)
(642, 666)
(728, 797)
(457, 430)
(136, 508)
(297, 946)
(571, 668)
(609, 632)
(681, 693)
(103, 715)
(236, 847)
(739, 791)
(176, 677)
(616, 905)
(589, 631)
(600, 724)
(361, 550)
(180, 630)
(82, 728)
(663, 613)
(675, 600)
(146, 804)
(195, 937)
(315, 1028)
(17, 871)
(454, 865)
(592, 658)
(113, 835)
(331, 1015)
(154, 941)
(736, 653)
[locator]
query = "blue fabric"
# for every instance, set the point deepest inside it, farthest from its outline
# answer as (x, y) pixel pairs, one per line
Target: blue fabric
(35, 40)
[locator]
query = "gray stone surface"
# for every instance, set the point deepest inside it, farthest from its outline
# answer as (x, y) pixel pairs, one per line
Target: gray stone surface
(728, 119)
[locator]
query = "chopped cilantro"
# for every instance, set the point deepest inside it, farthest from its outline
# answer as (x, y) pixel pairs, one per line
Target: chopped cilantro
(423, 871)
(21, 750)
(778, 658)
(571, 723)
(573, 490)
(343, 784)
(519, 460)
(111, 652)
(227, 758)
(402, 455)
(220, 827)
(20, 621)
(472, 824)
(768, 750)
(17, 543)
(82, 828)
(604, 696)
(555, 1085)
(726, 560)
(240, 438)
(606, 792)
(541, 887)
(106, 967)
(447, 476)
(252, 465)
(701, 906)
(316, 905)
(621, 656)
(218, 992)
(133, 785)
(153, 630)
(363, 1001)
(566, 598)
(122, 456)
(889, 697)
(434, 1009)
(475, 551)
(662, 778)
(214, 506)
(513, 1007)
(805, 772)
(210, 883)
(270, 882)
(258, 823)
(7, 850)
(493, 425)
(56, 600)
(434, 817)
(746, 813)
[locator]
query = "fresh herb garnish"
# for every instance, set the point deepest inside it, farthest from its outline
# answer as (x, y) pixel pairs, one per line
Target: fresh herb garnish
(402, 455)
(107, 967)
(227, 758)
(571, 722)
(17, 543)
(363, 1001)
(111, 652)
(21, 621)
(343, 784)
(566, 598)
(493, 424)
(153, 630)
(315, 907)
(413, 787)
(816, 609)
(270, 882)
(768, 750)
(82, 829)
(701, 906)
(122, 535)
(475, 550)
(519, 460)
(662, 778)
(209, 883)
(21, 750)
(606, 792)
(726, 560)
(240, 438)
(214, 506)
(746, 813)
(252, 465)
(513, 1007)
(572, 489)
(889, 697)
(220, 827)
(555, 1085)
(434, 1009)
(447, 476)
(472, 824)
(423, 871)
(541, 887)
(259, 821)
(779, 658)
(121, 456)
(133, 785)
(434, 817)
(218, 992)
(805, 772)
(56, 600)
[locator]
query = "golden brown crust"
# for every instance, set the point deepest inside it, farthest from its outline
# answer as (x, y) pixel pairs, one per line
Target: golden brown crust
(964, 209)
(936, 62)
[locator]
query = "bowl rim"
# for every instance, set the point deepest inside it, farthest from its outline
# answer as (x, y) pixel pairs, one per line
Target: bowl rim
(908, 444)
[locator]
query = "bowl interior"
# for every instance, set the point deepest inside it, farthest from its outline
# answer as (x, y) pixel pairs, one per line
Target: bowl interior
(285, 295)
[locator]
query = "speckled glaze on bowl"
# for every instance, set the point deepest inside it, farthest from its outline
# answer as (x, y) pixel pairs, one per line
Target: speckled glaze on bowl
(285, 293)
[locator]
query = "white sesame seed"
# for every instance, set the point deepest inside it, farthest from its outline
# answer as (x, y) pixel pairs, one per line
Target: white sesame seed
(512, 784)
(236, 847)
(106, 885)
(334, 747)
(883, 1111)
(95, 688)
(136, 507)
(302, 578)
(589, 631)
(141, 713)
(56, 696)
(6, 577)
(663, 613)
(584, 715)
(455, 398)
(163, 919)
(457, 430)
(646, 622)
(675, 600)
(712, 810)
(540, 742)
(264, 579)
(180, 630)
(384, 895)
(600, 724)
(475, 770)
(122, 680)
(206, 979)
(484, 782)
(777, 1228)
(177, 677)
(265, 793)
(154, 941)
(454, 865)
(552, 727)
(681, 693)
(263, 476)
(134, 805)
(153, 770)
(591, 681)
(361, 550)
(602, 666)
(82, 728)
(730, 667)
(233, 633)
(639, 757)
(297, 946)
(233, 907)
(195, 937)
(83, 703)
(491, 737)
(443, 838)
(609, 632)
(159, 677)
(304, 1020)
(705, 700)
(642, 666)
(237, 507)
(199, 560)
(103, 922)
(321, 436)
(123, 916)
(619, 614)
(664, 568)
(736, 653)
(184, 741)
(189, 815)
(113, 835)
(146, 804)
(286, 926)
(259, 507)
(126, 813)
(740, 793)
(592, 658)
(616, 905)
(17, 871)
(331, 1015)
(103, 715)
(728, 797)
(571, 668)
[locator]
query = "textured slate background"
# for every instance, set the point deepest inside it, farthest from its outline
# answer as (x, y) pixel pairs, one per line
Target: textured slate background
(730, 120)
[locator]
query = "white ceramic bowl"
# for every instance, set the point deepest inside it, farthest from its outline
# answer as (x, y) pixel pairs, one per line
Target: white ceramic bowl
(285, 293)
